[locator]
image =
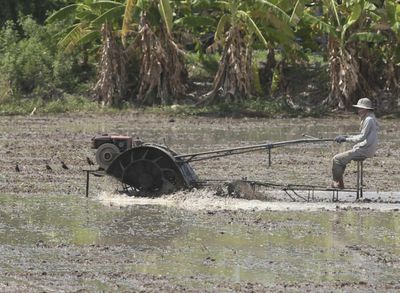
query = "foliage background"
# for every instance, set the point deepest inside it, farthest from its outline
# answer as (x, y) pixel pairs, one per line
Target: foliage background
(36, 72)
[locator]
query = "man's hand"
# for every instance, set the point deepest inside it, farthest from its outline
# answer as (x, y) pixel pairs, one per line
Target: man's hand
(340, 139)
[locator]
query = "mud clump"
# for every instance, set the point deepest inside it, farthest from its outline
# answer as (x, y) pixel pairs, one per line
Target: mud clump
(239, 189)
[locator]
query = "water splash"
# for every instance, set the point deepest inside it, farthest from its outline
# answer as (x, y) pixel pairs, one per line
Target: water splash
(205, 199)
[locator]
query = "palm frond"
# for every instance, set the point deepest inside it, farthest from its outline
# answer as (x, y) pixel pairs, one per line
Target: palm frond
(224, 5)
(166, 14)
(333, 5)
(219, 32)
(275, 9)
(62, 13)
(109, 16)
(276, 36)
(354, 16)
(281, 25)
(322, 25)
(86, 16)
(89, 36)
(195, 21)
(127, 19)
(105, 5)
(366, 37)
(202, 4)
(297, 12)
(72, 38)
(251, 25)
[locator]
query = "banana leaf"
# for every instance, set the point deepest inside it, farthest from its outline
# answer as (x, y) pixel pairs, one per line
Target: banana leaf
(62, 13)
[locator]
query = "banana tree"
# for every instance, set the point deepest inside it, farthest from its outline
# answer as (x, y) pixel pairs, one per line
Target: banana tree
(195, 21)
(94, 21)
(348, 27)
(389, 25)
(163, 75)
(236, 32)
(278, 29)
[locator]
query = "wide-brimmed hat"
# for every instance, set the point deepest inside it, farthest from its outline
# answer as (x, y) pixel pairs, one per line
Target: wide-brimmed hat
(364, 103)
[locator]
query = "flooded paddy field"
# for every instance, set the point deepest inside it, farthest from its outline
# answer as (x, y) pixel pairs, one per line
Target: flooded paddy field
(54, 239)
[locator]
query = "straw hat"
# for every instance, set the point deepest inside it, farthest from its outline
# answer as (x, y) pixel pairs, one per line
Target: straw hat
(364, 103)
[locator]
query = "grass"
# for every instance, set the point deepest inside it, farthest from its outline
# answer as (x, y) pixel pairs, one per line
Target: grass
(79, 104)
(24, 106)
(250, 108)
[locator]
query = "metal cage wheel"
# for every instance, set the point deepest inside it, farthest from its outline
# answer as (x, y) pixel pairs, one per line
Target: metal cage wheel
(148, 171)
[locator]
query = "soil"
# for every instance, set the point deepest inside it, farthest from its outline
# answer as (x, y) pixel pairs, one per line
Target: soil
(34, 142)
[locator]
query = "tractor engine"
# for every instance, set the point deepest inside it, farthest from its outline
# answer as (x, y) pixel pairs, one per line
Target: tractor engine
(109, 147)
(142, 168)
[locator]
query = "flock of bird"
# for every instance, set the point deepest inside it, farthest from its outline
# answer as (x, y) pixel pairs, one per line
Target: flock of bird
(63, 165)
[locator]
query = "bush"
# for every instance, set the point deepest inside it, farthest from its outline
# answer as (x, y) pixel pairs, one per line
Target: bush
(31, 64)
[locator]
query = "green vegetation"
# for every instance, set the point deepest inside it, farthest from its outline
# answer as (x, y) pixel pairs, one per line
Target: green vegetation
(37, 105)
(31, 62)
(257, 57)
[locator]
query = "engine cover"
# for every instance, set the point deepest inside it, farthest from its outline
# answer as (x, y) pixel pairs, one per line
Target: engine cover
(122, 142)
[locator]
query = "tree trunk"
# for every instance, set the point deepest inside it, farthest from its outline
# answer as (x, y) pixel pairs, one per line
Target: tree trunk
(347, 82)
(392, 76)
(110, 87)
(234, 76)
(267, 72)
(162, 70)
(391, 72)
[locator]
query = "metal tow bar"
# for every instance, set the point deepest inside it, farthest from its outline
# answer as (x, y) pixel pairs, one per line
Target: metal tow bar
(246, 149)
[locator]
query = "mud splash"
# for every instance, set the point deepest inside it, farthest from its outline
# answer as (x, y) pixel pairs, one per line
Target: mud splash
(205, 199)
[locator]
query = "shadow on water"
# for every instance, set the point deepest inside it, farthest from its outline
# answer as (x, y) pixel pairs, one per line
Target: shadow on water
(265, 247)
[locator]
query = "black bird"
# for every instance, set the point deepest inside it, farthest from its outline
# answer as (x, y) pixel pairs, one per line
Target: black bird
(48, 167)
(64, 166)
(89, 161)
(17, 168)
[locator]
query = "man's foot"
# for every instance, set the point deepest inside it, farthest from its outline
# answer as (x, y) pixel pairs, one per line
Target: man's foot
(338, 184)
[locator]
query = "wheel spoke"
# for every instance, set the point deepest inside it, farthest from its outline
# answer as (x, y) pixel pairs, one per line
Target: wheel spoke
(145, 154)
(157, 159)
(167, 170)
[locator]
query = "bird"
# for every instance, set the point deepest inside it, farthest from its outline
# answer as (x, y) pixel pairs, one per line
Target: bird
(17, 169)
(89, 161)
(48, 167)
(64, 166)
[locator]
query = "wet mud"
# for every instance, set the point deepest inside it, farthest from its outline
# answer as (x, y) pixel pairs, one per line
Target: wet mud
(54, 239)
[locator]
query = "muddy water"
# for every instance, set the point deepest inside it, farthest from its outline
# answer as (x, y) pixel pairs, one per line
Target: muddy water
(54, 239)
(68, 238)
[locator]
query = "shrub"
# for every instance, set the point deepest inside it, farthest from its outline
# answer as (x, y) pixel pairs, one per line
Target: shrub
(32, 65)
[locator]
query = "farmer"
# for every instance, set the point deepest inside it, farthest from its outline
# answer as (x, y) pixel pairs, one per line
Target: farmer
(366, 141)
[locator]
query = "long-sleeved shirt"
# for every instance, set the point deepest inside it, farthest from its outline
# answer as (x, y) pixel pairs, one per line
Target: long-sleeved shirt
(367, 140)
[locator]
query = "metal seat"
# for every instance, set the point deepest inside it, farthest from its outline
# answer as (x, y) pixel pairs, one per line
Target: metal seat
(360, 177)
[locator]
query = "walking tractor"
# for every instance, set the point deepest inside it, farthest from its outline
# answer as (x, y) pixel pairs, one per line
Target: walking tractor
(152, 170)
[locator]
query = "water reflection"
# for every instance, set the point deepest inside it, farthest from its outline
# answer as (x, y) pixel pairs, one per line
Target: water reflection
(58, 220)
